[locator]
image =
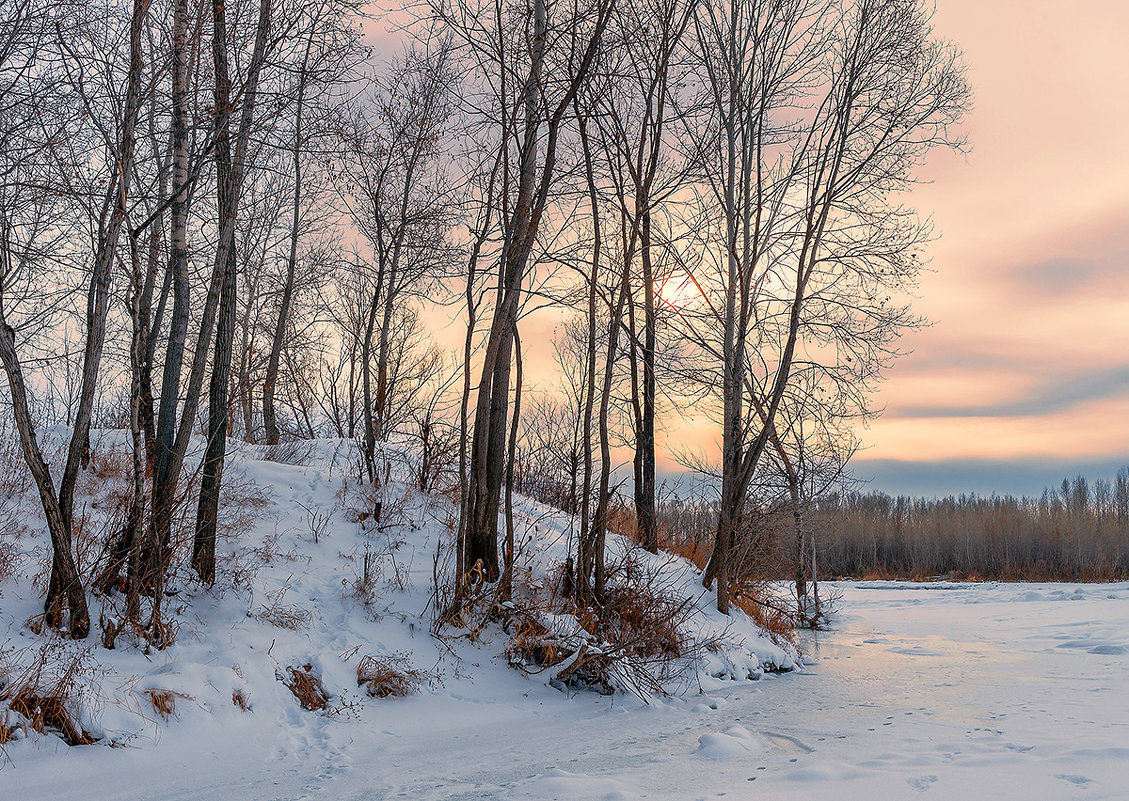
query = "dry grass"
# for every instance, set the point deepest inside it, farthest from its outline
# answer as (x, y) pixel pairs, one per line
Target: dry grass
(240, 700)
(294, 452)
(9, 558)
(307, 688)
(164, 701)
(634, 640)
(621, 520)
(242, 503)
(49, 713)
(772, 615)
(530, 644)
(638, 619)
(46, 685)
(7, 733)
(384, 676)
(293, 618)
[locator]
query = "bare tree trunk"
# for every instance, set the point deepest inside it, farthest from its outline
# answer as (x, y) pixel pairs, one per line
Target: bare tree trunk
(65, 585)
(230, 173)
(136, 518)
(508, 567)
(380, 410)
(493, 388)
(269, 422)
(599, 531)
(520, 232)
(645, 444)
(581, 587)
(366, 377)
(165, 477)
(63, 565)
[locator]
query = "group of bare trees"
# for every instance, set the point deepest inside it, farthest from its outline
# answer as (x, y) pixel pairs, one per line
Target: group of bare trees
(723, 178)
(233, 201)
(135, 137)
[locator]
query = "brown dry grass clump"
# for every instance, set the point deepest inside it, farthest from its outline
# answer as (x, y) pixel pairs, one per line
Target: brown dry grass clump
(164, 701)
(49, 713)
(240, 700)
(530, 645)
(294, 618)
(384, 676)
(46, 686)
(307, 688)
(638, 619)
(779, 623)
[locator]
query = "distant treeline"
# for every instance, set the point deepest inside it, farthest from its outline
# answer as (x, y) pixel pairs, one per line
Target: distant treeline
(1077, 532)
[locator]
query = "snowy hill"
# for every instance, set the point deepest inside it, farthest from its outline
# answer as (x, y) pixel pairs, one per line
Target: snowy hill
(315, 605)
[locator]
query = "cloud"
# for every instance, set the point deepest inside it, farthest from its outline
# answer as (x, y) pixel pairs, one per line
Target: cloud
(1055, 276)
(1076, 261)
(982, 476)
(1062, 393)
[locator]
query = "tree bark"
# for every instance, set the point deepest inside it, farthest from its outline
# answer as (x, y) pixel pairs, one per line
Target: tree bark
(230, 171)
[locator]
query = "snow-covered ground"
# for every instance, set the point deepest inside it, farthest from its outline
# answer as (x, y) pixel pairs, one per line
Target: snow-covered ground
(956, 690)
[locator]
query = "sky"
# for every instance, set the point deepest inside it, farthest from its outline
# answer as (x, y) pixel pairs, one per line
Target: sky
(1022, 376)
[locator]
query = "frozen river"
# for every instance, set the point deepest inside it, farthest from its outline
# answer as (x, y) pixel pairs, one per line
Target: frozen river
(950, 691)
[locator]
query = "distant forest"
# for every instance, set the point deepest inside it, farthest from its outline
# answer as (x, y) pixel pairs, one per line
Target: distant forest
(1078, 531)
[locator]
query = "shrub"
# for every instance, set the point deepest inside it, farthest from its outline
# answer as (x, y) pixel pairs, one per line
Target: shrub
(384, 676)
(47, 687)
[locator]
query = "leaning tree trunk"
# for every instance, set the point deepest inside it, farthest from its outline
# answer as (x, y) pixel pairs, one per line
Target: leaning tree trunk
(487, 450)
(58, 527)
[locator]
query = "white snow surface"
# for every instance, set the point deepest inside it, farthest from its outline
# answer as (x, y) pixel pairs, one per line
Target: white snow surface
(1009, 691)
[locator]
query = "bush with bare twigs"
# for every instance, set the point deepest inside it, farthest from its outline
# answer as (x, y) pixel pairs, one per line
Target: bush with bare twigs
(635, 639)
(47, 687)
(384, 676)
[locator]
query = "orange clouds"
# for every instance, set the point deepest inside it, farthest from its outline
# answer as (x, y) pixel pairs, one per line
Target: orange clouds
(1031, 281)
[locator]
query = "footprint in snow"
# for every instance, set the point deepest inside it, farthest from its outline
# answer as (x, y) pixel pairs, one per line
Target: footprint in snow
(1074, 778)
(921, 783)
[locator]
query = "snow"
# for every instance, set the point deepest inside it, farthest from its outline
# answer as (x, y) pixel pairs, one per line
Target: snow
(951, 690)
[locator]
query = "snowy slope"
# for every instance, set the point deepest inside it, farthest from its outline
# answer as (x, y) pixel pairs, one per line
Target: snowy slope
(291, 594)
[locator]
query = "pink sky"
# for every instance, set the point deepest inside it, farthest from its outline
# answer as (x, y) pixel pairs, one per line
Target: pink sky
(1028, 355)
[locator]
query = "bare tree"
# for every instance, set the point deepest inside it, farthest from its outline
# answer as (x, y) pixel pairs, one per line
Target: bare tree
(65, 586)
(527, 88)
(398, 199)
(809, 227)
(230, 172)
